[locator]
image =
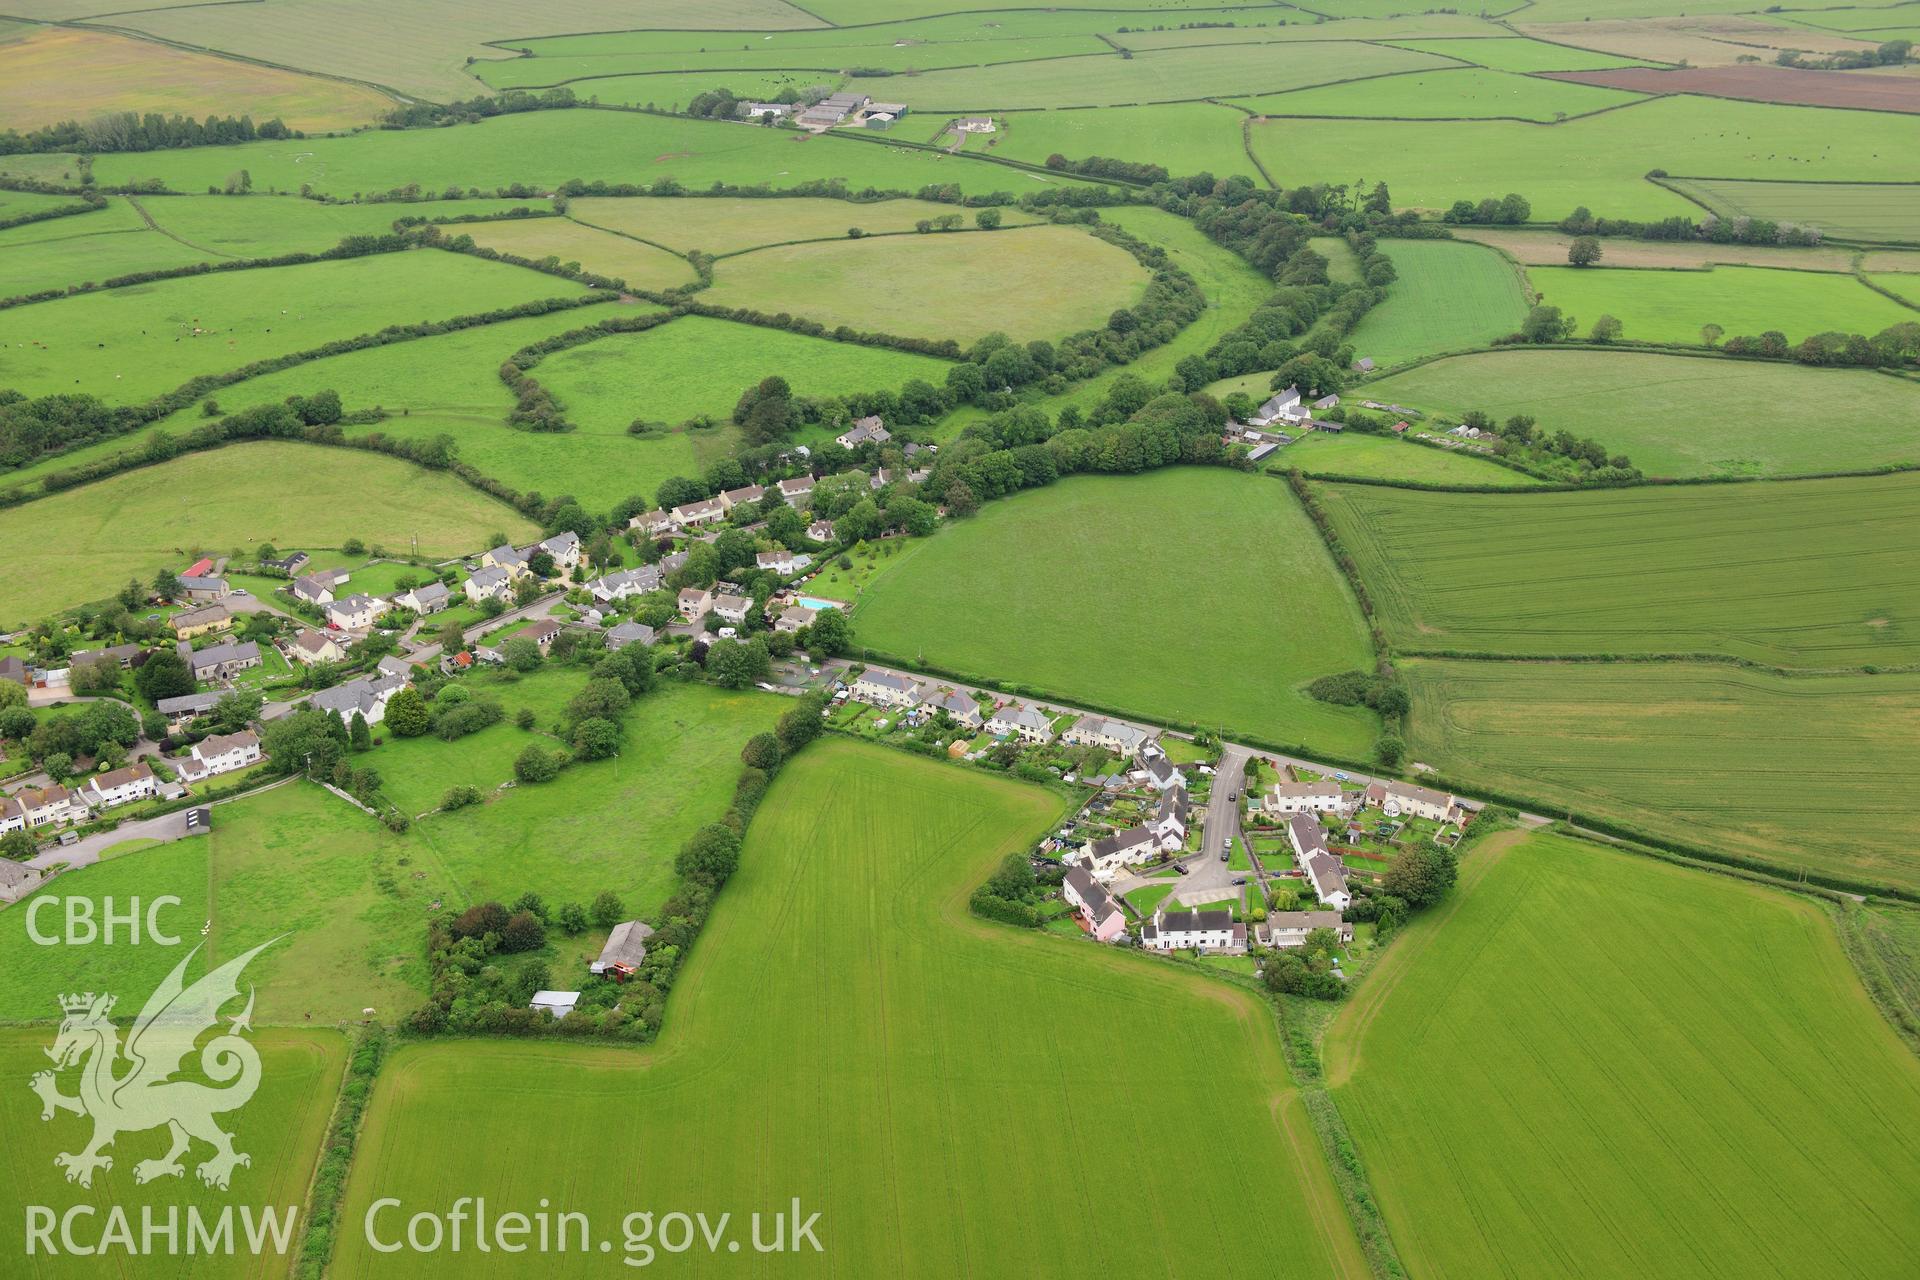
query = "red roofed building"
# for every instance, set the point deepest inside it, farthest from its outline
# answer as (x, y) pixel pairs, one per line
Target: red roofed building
(200, 568)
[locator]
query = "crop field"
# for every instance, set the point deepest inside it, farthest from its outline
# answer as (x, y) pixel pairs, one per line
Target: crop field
(1057, 622)
(52, 74)
(1517, 54)
(1184, 137)
(1447, 297)
(1869, 211)
(130, 344)
(611, 824)
(1599, 161)
(1671, 306)
(1038, 282)
(1805, 573)
(547, 148)
(85, 543)
(1761, 84)
(1681, 415)
(856, 1038)
(590, 72)
(1445, 94)
(280, 1129)
(1700, 38)
(695, 366)
(1695, 1085)
(1549, 249)
(723, 226)
(639, 266)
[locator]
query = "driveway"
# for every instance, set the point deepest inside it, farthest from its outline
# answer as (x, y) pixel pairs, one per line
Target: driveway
(86, 851)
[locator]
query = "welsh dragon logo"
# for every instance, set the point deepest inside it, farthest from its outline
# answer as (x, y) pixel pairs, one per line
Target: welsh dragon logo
(130, 1089)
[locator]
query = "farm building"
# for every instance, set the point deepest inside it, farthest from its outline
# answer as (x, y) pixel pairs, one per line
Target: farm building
(626, 948)
(557, 1003)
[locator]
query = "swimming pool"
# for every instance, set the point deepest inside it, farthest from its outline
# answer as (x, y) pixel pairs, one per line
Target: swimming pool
(814, 602)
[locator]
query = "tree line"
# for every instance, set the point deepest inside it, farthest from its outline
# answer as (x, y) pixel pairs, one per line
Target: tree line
(127, 131)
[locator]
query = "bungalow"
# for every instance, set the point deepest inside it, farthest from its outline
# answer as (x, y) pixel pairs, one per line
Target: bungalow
(884, 689)
(1194, 931)
(626, 948)
(755, 110)
(1112, 735)
(432, 597)
(103, 791)
(624, 583)
(1170, 821)
(691, 515)
(201, 621)
(542, 633)
(180, 711)
(1329, 880)
(962, 707)
(1283, 406)
(366, 697)
(868, 430)
(291, 563)
(396, 666)
(16, 879)
(1094, 905)
(1397, 798)
(731, 498)
(32, 807)
(1284, 929)
(564, 548)
(353, 613)
(221, 753)
(796, 490)
(783, 562)
(310, 647)
(220, 661)
(629, 633)
(120, 655)
(506, 556)
(820, 531)
(1016, 721)
(1104, 858)
(488, 584)
(1160, 773)
(792, 618)
(557, 1003)
(317, 587)
(200, 590)
(1286, 798)
(652, 523)
(973, 124)
(695, 603)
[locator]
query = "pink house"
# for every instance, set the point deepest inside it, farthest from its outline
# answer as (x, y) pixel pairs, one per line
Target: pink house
(1094, 905)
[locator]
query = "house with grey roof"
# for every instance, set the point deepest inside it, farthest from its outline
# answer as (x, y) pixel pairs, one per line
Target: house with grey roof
(1106, 857)
(885, 689)
(962, 707)
(623, 583)
(563, 547)
(353, 613)
(1285, 798)
(427, 598)
(625, 951)
(180, 711)
(1210, 931)
(366, 697)
(1283, 930)
(782, 561)
(1112, 735)
(796, 490)
(868, 430)
(201, 590)
(219, 661)
(1097, 910)
(1017, 721)
(627, 633)
(490, 583)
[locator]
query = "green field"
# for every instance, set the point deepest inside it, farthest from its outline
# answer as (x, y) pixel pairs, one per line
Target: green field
(1449, 295)
(1682, 416)
(1803, 773)
(1390, 458)
(1671, 306)
(1459, 93)
(1516, 53)
(587, 64)
(1874, 212)
(841, 1030)
(1185, 137)
(546, 148)
(696, 365)
(130, 344)
(280, 1129)
(1595, 1064)
(1599, 161)
(721, 226)
(1038, 282)
(83, 544)
(1027, 592)
(637, 265)
(1804, 573)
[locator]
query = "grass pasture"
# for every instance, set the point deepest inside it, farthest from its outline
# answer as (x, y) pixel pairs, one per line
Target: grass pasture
(856, 1021)
(639, 266)
(254, 226)
(131, 344)
(1390, 458)
(1671, 306)
(1037, 282)
(1805, 573)
(83, 544)
(1868, 211)
(1692, 1085)
(1454, 93)
(1548, 248)
(719, 225)
(1681, 415)
(1448, 295)
(979, 598)
(52, 74)
(1518, 54)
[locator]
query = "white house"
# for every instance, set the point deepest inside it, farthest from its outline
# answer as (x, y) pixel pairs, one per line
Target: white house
(32, 807)
(1159, 771)
(820, 531)
(1307, 836)
(317, 587)
(652, 523)
(1286, 798)
(1170, 820)
(974, 124)
(792, 618)
(796, 490)
(1194, 931)
(1016, 721)
(964, 709)
(353, 613)
(695, 603)
(428, 598)
(782, 561)
(219, 754)
(868, 430)
(310, 647)
(103, 791)
(490, 583)
(624, 583)
(755, 110)
(564, 548)
(1112, 735)
(884, 689)
(1401, 798)
(367, 698)
(1109, 855)
(691, 515)
(1283, 406)
(1329, 880)
(1284, 929)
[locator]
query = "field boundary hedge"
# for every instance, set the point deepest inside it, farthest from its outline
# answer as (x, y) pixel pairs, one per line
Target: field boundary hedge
(329, 1182)
(47, 215)
(1722, 659)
